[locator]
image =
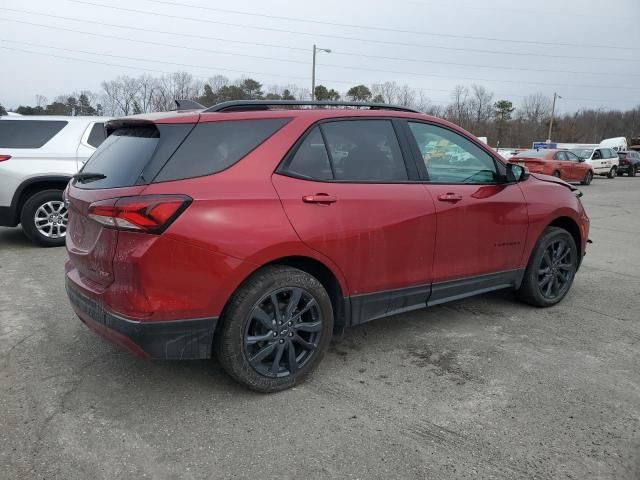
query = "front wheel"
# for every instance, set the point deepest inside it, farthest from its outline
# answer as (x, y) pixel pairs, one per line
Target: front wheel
(587, 178)
(612, 172)
(556, 174)
(44, 218)
(551, 269)
(275, 329)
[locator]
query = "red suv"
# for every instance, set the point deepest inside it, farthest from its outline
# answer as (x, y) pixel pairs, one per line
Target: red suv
(250, 230)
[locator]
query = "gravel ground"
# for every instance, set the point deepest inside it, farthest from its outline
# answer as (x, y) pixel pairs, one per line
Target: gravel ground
(480, 388)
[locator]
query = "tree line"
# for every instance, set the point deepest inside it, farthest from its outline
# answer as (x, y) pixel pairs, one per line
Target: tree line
(472, 107)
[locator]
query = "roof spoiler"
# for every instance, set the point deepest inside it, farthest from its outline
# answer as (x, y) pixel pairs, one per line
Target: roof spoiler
(186, 104)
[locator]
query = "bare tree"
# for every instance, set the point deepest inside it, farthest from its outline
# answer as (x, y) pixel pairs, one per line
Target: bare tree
(459, 109)
(481, 105)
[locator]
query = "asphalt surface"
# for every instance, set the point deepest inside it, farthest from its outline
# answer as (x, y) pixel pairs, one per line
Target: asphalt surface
(480, 388)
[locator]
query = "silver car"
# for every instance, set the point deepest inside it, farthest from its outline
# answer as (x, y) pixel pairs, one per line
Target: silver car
(38, 156)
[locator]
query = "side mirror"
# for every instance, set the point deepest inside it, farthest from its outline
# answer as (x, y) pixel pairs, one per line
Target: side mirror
(582, 160)
(516, 173)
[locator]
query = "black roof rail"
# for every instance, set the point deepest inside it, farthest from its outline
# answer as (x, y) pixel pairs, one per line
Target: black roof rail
(186, 104)
(249, 105)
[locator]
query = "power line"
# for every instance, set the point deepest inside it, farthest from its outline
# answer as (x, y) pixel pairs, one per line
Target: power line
(138, 68)
(381, 29)
(148, 42)
(435, 75)
(339, 37)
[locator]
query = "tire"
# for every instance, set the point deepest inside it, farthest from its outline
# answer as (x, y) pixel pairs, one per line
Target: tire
(250, 327)
(587, 178)
(612, 172)
(632, 170)
(47, 205)
(534, 290)
(556, 174)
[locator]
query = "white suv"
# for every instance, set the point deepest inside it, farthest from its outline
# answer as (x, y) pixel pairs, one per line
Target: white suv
(604, 161)
(38, 156)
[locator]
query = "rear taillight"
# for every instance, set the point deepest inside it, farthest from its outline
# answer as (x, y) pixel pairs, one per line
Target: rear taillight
(4, 157)
(147, 213)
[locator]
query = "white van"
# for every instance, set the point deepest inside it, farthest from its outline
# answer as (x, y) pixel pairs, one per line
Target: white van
(604, 161)
(619, 144)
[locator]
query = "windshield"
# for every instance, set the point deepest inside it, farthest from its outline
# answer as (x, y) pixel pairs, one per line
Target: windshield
(582, 152)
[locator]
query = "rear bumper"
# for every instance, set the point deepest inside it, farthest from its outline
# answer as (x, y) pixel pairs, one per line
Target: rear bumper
(164, 340)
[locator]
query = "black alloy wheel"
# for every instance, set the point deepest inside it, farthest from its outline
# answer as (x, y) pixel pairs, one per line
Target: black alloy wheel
(556, 270)
(283, 332)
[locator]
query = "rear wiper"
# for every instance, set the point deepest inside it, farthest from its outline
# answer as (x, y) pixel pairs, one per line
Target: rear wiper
(85, 177)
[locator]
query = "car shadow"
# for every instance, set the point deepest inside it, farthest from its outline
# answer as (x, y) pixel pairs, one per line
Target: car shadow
(14, 237)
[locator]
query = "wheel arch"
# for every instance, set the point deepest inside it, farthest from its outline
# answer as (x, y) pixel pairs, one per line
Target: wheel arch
(32, 186)
(571, 226)
(325, 275)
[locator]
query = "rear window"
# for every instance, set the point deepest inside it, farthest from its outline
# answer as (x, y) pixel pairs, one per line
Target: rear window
(533, 153)
(215, 146)
(97, 135)
(122, 157)
(28, 133)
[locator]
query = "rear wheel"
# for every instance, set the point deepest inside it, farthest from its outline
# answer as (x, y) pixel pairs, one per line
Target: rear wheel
(632, 170)
(551, 269)
(44, 218)
(275, 329)
(587, 178)
(612, 172)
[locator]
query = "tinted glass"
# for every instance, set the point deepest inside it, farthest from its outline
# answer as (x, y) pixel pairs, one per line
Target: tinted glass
(215, 146)
(28, 133)
(121, 157)
(311, 159)
(364, 151)
(451, 158)
(533, 154)
(597, 154)
(97, 135)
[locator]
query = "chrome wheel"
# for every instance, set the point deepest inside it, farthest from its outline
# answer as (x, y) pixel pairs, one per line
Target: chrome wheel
(557, 269)
(51, 219)
(283, 332)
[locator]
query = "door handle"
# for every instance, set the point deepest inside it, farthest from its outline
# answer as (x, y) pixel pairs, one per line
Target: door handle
(450, 197)
(320, 198)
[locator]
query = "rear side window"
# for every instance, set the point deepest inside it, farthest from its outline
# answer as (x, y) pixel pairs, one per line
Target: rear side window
(311, 159)
(215, 146)
(364, 151)
(97, 135)
(28, 133)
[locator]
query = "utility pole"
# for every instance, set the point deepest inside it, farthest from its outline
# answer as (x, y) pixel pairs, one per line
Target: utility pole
(313, 69)
(553, 111)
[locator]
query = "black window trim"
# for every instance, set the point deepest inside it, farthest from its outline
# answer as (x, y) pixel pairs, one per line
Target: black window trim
(422, 169)
(407, 156)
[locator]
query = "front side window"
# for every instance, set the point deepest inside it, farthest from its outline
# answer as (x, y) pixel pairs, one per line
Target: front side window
(597, 155)
(572, 157)
(561, 156)
(28, 133)
(451, 158)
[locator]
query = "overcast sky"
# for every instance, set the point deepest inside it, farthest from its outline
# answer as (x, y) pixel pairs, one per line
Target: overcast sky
(600, 39)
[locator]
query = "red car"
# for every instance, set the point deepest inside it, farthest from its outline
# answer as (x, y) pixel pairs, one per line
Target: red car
(250, 230)
(558, 163)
